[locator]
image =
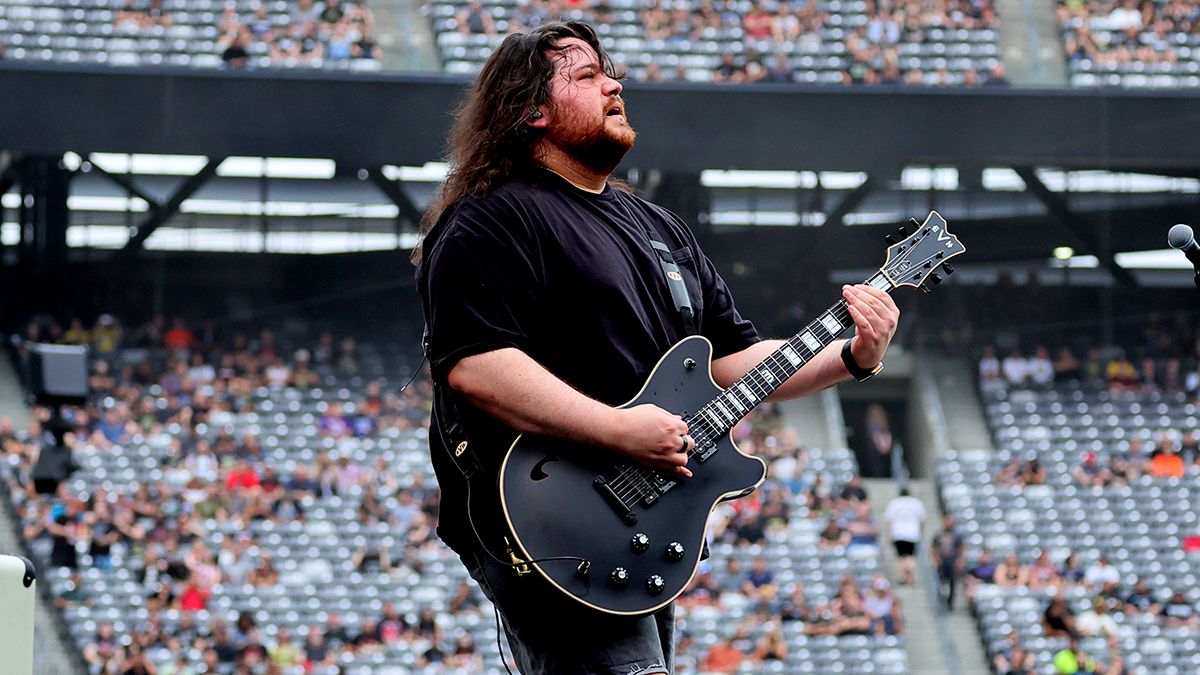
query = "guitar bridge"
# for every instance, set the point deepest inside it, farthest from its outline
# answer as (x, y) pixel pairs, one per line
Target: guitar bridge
(614, 500)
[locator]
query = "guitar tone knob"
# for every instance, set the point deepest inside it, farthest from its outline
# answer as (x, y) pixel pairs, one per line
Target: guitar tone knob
(674, 551)
(640, 542)
(619, 577)
(655, 584)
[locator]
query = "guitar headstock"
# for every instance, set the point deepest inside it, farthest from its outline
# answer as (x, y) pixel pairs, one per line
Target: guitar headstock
(916, 260)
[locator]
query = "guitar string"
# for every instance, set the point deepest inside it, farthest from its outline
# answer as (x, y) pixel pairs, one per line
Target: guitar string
(626, 484)
(632, 481)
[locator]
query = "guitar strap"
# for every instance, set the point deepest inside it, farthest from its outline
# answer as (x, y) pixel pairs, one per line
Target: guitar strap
(679, 291)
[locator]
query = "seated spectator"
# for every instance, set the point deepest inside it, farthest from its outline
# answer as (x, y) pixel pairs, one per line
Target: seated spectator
(833, 536)
(1072, 571)
(1022, 473)
(729, 70)
(1178, 612)
(1015, 368)
(317, 651)
(1121, 374)
(1141, 600)
(1010, 573)
(1165, 462)
(723, 657)
(1043, 573)
(1057, 620)
(1096, 620)
(1101, 574)
(1067, 368)
(474, 19)
(465, 656)
(796, 608)
(880, 604)
(1041, 368)
(1091, 473)
(989, 365)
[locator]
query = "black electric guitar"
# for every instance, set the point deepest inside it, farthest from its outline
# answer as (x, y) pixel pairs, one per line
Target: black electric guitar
(624, 538)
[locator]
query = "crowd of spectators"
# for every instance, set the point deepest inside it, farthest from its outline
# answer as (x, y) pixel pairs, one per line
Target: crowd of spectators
(1117, 32)
(1113, 602)
(189, 379)
(179, 384)
(332, 31)
(770, 33)
(791, 492)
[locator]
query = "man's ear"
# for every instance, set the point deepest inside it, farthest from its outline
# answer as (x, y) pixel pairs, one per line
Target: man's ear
(537, 118)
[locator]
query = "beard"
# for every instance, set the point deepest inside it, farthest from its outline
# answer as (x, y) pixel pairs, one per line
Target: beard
(593, 144)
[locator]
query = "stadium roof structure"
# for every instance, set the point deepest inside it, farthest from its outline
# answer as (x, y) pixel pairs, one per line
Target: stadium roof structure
(1019, 171)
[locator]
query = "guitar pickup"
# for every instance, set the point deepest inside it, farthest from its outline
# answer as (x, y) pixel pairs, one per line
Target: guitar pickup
(705, 452)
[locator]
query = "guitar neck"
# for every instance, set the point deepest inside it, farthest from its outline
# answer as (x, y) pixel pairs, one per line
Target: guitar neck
(723, 412)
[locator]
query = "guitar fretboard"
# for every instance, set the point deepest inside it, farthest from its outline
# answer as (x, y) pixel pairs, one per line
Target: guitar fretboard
(723, 412)
(637, 483)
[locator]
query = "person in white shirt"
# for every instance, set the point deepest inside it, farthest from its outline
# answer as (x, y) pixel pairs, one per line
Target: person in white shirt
(989, 365)
(1096, 621)
(905, 515)
(1016, 368)
(1041, 368)
(1101, 574)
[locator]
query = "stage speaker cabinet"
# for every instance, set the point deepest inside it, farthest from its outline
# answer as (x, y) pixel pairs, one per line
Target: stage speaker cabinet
(58, 374)
(18, 589)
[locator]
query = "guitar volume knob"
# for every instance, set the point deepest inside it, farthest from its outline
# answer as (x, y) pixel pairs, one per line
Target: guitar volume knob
(675, 551)
(619, 577)
(640, 542)
(655, 584)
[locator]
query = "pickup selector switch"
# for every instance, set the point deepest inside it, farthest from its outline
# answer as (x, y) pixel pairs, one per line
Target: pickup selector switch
(640, 542)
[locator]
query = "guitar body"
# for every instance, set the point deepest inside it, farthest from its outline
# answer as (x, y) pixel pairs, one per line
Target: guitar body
(564, 499)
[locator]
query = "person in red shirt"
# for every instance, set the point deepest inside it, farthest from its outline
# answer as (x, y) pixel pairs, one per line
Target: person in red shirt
(242, 477)
(723, 657)
(194, 598)
(179, 338)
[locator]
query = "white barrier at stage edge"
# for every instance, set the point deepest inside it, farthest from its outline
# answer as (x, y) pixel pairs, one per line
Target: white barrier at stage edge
(18, 588)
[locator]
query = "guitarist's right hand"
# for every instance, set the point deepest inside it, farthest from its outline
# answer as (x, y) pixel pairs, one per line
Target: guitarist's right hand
(650, 435)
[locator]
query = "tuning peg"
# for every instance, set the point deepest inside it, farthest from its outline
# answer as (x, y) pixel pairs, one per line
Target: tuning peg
(925, 289)
(890, 239)
(935, 279)
(915, 223)
(903, 231)
(947, 269)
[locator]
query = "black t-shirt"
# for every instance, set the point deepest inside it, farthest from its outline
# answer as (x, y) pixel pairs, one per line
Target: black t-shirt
(569, 278)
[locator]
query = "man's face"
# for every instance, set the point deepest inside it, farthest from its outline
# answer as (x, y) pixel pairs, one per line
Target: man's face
(586, 116)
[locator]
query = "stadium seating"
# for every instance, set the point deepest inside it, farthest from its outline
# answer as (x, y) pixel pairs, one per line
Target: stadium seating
(1109, 47)
(820, 58)
(1140, 526)
(87, 32)
(313, 555)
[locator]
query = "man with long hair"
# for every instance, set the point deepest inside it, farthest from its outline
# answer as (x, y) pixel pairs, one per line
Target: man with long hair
(546, 307)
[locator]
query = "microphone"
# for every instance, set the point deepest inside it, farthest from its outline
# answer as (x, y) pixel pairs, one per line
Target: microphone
(1182, 238)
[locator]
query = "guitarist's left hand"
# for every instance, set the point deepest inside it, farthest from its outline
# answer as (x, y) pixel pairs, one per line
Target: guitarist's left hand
(875, 318)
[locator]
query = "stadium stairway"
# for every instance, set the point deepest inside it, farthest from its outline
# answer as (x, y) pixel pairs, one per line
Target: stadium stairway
(405, 35)
(50, 650)
(818, 419)
(1029, 42)
(923, 631)
(961, 408)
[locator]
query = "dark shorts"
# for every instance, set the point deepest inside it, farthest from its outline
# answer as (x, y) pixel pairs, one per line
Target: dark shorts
(552, 634)
(905, 548)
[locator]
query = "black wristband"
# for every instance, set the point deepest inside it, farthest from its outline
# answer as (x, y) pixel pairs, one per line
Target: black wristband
(856, 371)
